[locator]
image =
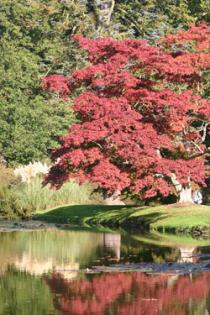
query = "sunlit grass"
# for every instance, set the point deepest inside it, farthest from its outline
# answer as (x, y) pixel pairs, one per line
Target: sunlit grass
(154, 218)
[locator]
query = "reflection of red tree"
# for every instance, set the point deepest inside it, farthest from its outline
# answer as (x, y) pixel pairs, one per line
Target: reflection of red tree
(90, 297)
(153, 294)
(129, 293)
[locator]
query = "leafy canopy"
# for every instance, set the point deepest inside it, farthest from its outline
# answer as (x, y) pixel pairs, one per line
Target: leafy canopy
(34, 40)
(142, 120)
(153, 18)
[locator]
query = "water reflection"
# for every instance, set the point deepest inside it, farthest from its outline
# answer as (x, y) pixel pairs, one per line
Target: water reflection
(24, 294)
(181, 248)
(43, 268)
(39, 252)
(132, 293)
(65, 251)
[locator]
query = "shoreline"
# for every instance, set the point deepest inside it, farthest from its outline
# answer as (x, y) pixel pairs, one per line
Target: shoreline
(174, 219)
(24, 225)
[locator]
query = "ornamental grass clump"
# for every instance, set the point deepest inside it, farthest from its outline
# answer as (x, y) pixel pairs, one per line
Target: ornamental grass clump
(34, 197)
(27, 172)
(22, 192)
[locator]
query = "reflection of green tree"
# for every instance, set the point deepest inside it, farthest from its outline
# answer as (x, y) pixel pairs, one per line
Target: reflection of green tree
(62, 247)
(172, 240)
(23, 294)
(159, 247)
(134, 249)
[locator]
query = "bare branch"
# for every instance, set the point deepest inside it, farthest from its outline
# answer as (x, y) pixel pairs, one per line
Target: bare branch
(205, 131)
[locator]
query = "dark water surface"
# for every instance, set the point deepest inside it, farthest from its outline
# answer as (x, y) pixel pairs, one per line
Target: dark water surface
(52, 272)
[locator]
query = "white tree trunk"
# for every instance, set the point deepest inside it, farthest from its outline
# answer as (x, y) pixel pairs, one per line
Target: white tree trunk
(103, 10)
(114, 199)
(184, 192)
(185, 195)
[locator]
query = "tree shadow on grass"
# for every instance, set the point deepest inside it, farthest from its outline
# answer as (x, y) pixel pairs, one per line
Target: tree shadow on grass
(100, 214)
(147, 219)
(76, 213)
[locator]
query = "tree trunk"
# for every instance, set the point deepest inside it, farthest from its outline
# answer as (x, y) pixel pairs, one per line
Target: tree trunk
(183, 192)
(103, 11)
(185, 195)
(114, 199)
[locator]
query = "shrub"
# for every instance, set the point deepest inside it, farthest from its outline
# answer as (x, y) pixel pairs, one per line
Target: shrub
(22, 192)
(9, 205)
(33, 196)
(7, 177)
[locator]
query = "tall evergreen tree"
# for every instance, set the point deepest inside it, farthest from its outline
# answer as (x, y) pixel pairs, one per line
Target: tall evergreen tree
(34, 36)
(154, 18)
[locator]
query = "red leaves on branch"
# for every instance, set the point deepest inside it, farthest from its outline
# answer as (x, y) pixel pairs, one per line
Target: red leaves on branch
(57, 84)
(198, 36)
(135, 129)
(108, 176)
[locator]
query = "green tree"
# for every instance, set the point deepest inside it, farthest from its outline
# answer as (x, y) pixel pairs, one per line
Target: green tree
(34, 38)
(35, 41)
(154, 18)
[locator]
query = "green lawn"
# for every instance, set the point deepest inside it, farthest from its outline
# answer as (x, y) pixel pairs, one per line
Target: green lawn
(162, 218)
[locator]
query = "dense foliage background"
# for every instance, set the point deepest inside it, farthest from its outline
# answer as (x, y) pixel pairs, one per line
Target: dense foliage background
(34, 36)
(35, 41)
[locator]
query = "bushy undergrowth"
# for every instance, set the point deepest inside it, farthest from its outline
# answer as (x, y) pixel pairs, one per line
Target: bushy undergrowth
(33, 196)
(9, 205)
(21, 199)
(7, 176)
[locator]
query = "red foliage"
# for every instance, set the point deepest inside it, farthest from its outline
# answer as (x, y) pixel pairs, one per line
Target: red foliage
(197, 36)
(135, 129)
(130, 293)
(57, 83)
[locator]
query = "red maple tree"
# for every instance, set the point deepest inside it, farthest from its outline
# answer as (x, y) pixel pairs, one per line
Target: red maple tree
(142, 119)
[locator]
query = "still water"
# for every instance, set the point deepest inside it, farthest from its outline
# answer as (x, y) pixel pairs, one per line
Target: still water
(50, 272)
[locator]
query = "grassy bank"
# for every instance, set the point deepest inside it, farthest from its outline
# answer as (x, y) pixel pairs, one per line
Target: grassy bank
(171, 218)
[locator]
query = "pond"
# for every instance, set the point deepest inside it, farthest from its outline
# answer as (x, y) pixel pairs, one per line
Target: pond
(85, 272)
